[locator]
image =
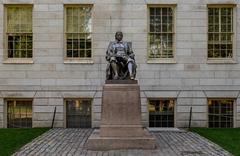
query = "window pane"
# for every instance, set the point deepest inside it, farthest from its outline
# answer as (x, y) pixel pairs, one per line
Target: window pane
(78, 19)
(19, 114)
(161, 113)
(19, 19)
(220, 113)
(78, 113)
(220, 32)
(20, 46)
(79, 45)
(78, 29)
(161, 45)
(19, 31)
(88, 53)
(161, 32)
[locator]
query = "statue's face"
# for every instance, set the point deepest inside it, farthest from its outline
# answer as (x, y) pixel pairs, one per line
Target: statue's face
(119, 36)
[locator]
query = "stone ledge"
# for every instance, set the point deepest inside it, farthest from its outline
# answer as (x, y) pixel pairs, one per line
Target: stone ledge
(121, 82)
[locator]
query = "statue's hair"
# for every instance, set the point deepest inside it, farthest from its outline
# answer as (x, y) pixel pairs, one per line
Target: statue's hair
(117, 33)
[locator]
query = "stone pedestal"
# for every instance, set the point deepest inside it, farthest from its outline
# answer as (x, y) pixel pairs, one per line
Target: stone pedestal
(121, 119)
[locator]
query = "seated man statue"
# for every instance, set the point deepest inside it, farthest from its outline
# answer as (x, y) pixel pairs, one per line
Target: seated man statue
(121, 59)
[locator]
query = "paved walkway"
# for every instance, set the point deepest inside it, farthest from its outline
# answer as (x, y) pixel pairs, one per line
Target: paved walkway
(68, 142)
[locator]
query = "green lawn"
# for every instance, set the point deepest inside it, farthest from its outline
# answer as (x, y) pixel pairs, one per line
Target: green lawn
(228, 138)
(12, 139)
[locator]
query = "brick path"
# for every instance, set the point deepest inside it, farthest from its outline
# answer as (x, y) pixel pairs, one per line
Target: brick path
(68, 142)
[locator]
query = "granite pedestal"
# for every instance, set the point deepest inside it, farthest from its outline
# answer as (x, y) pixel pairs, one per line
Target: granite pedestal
(121, 119)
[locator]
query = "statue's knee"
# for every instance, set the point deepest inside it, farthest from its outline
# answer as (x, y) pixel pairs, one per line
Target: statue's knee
(130, 60)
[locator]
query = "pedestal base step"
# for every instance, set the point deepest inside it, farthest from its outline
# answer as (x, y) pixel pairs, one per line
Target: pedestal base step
(96, 142)
(122, 131)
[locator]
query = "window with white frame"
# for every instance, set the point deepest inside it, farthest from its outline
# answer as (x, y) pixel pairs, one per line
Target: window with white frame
(19, 33)
(78, 30)
(220, 32)
(220, 113)
(161, 32)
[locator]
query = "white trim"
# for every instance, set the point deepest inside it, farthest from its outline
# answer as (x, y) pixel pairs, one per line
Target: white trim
(18, 61)
(78, 61)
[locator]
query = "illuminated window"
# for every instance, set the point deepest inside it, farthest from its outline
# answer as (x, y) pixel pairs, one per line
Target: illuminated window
(78, 113)
(220, 32)
(161, 32)
(78, 31)
(19, 31)
(220, 113)
(19, 113)
(161, 113)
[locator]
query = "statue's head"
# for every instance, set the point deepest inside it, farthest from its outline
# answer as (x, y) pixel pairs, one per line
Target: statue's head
(119, 36)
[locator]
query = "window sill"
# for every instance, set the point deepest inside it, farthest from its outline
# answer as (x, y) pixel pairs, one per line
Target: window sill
(161, 61)
(18, 61)
(78, 61)
(221, 61)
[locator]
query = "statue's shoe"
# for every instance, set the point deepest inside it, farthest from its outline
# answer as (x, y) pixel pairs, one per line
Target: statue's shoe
(132, 77)
(115, 77)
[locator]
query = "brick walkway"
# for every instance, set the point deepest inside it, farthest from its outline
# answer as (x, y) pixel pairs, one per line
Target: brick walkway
(68, 142)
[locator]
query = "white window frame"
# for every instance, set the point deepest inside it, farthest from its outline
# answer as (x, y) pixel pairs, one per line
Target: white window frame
(162, 60)
(6, 59)
(78, 59)
(231, 60)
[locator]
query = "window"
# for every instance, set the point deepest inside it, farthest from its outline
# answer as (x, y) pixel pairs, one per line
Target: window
(220, 113)
(161, 32)
(19, 31)
(220, 32)
(19, 113)
(78, 113)
(78, 32)
(161, 113)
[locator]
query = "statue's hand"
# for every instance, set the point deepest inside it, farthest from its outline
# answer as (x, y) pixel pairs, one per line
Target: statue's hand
(108, 58)
(126, 57)
(109, 55)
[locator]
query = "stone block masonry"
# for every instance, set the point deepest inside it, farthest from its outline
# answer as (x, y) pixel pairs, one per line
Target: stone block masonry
(190, 79)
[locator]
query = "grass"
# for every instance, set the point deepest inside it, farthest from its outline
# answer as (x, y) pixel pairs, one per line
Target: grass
(228, 138)
(12, 139)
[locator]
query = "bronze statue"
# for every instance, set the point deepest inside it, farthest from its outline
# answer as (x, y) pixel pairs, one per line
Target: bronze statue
(121, 60)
